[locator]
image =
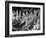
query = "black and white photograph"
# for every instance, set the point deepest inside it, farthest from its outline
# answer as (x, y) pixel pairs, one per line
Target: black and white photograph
(25, 18)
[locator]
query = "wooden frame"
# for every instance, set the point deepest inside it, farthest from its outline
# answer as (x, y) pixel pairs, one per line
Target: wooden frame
(7, 18)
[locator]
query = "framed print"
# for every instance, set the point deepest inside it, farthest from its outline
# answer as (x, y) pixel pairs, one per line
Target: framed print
(24, 18)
